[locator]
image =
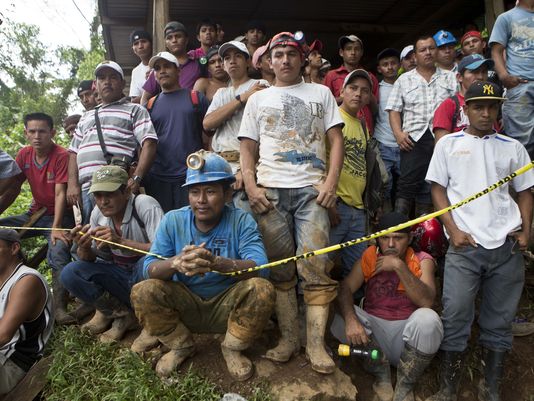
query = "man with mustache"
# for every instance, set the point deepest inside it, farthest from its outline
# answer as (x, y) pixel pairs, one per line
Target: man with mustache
(396, 317)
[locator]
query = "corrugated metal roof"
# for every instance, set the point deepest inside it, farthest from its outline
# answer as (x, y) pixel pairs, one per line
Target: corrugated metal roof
(384, 23)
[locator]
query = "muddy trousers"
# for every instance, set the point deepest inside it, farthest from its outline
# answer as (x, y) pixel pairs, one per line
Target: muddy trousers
(242, 309)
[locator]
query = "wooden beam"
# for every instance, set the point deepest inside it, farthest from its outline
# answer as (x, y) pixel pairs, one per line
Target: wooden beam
(493, 9)
(160, 17)
(123, 21)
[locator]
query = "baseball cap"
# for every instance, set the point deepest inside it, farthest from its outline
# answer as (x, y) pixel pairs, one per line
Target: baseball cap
(85, 85)
(358, 73)
(443, 38)
(285, 39)
(233, 44)
(470, 34)
(316, 45)
(474, 61)
(406, 52)
(342, 41)
(108, 179)
(163, 56)
(484, 90)
(392, 219)
(140, 34)
(212, 51)
(256, 24)
(389, 52)
(260, 51)
(9, 235)
(109, 64)
(174, 26)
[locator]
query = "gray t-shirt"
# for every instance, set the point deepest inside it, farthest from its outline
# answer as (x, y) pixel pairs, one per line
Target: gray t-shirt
(8, 166)
(148, 211)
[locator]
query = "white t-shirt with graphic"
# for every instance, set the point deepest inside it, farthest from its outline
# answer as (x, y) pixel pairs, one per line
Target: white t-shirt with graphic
(290, 124)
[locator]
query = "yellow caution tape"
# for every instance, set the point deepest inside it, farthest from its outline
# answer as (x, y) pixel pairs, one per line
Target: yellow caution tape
(328, 249)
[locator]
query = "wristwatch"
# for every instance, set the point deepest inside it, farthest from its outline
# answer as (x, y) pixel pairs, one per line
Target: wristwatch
(137, 179)
(238, 98)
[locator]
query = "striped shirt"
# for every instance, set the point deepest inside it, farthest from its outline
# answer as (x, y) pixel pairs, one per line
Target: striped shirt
(418, 99)
(125, 126)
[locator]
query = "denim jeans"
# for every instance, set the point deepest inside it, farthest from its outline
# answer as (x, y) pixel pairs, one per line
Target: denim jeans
(499, 275)
(58, 255)
(306, 222)
(170, 195)
(391, 157)
(518, 115)
(352, 225)
(89, 280)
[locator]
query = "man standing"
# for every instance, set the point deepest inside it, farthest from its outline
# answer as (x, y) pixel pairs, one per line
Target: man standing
(207, 36)
(351, 51)
(141, 42)
(104, 274)
(189, 292)
(26, 317)
(86, 94)
(348, 217)
(255, 35)
(124, 127)
(411, 105)
(449, 116)
(44, 165)
(483, 236)
(289, 122)
(513, 33)
(224, 115)
(397, 317)
(472, 43)
(177, 115)
(8, 170)
(388, 67)
(407, 58)
(446, 54)
(218, 77)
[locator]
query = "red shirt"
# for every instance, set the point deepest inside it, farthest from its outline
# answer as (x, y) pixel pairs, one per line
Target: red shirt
(334, 80)
(43, 178)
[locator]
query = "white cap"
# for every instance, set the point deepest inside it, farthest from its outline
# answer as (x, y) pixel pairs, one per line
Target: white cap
(163, 56)
(407, 50)
(240, 46)
(109, 64)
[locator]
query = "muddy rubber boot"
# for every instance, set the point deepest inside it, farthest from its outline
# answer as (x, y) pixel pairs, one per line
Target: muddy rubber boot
(287, 314)
(239, 366)
(98, 324)
(61, 300)
(381, 371)
(120, 326)
(412, 364)
(181, 347)
(316, 318)
(144, 342)
(489, 385)
(404, 206)
(82, 311)
(452, 363)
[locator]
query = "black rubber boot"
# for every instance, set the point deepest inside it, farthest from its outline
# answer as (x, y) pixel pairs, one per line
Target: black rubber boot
(404, 206)
(489, 385)
(411, 366)
(452, 363)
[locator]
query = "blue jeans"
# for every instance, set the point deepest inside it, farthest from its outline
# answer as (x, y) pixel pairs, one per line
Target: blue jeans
(89, 280)
(307, 222)
(500, 275)
(353, 225)
(58, 255)
(518, 115)
(391, 157)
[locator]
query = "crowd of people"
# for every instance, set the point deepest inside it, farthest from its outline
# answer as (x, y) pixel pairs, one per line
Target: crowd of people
(240, 152)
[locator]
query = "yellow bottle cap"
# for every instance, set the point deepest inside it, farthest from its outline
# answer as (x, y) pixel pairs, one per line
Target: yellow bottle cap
(343, 350)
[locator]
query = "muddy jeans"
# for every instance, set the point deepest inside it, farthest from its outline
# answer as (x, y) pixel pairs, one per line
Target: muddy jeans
(297, 221)
(242, 309)
(10, 375)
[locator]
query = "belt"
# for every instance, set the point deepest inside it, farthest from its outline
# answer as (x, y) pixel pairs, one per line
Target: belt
(230, 155)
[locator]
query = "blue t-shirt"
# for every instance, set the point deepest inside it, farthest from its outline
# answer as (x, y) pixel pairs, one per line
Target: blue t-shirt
(235, 237)
(515, 31)
(179, 129)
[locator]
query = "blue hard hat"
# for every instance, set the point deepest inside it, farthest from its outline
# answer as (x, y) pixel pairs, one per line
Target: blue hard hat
(203, 167)
(443, 38)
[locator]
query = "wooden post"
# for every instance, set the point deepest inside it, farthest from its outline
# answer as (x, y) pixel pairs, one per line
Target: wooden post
(493, 9)
(160, 17)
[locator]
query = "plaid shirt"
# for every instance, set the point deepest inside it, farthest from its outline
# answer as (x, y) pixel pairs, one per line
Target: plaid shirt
(417, 99)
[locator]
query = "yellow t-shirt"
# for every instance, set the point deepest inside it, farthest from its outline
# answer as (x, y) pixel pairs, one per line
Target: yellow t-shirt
(354, 173)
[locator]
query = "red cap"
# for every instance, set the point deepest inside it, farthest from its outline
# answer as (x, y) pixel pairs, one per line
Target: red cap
(470, 34)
